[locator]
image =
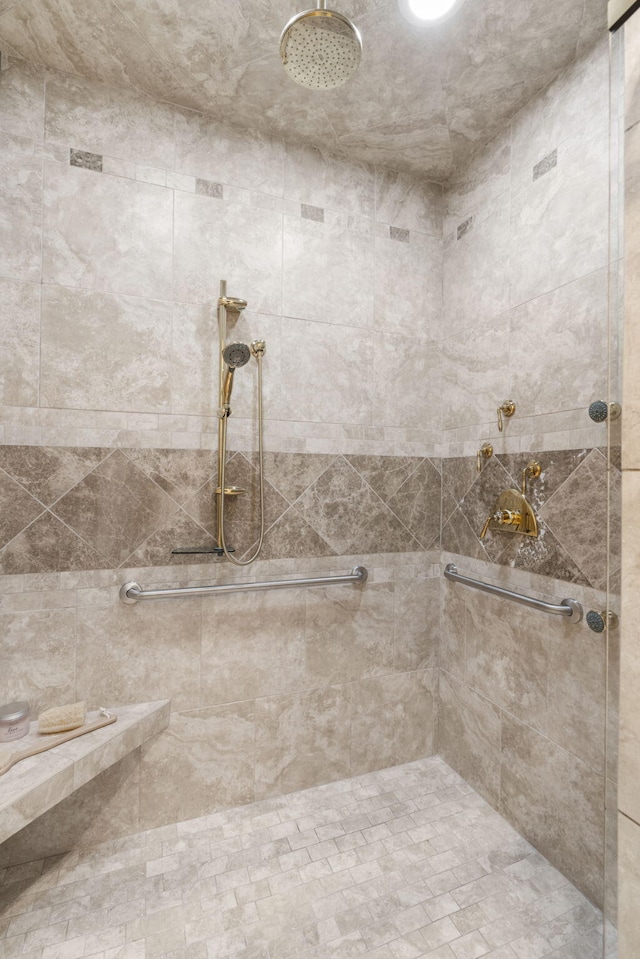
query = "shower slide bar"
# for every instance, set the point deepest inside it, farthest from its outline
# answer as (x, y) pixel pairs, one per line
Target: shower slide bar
(133, 592)
(570, 608)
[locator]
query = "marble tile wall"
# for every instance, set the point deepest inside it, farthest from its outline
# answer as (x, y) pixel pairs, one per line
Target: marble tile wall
(121, 216)
(522, 709)
(570, 498)
(527, 273)
(529, 270)
(124, 214)
(74, 508)
(270, 692)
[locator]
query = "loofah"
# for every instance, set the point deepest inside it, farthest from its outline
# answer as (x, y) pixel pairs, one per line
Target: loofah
(61, 718)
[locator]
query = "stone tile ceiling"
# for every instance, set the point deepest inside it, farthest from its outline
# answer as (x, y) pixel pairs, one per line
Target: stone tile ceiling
(422, 100)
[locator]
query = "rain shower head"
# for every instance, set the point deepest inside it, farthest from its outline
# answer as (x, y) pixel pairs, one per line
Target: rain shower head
(320, 49)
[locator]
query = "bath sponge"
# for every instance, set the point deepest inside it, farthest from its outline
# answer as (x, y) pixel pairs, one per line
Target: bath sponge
(61, 718)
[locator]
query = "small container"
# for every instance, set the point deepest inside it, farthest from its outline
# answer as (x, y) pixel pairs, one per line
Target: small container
(14, 721)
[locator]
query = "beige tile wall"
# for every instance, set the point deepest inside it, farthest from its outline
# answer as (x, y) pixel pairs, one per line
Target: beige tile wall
(522, 709)
(270, 692)
(130, 261)
(528, 263)
(526, 274)
(108, 273)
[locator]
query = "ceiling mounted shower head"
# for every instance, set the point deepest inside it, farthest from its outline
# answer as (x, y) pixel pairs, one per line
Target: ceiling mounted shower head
(320, 49)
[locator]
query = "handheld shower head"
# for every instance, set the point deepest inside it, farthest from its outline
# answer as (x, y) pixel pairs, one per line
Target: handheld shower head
(320, 48)
(235, 355)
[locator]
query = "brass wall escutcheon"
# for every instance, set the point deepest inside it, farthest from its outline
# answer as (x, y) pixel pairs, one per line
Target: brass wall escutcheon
(513, 512)
(485, 450)
(507, 409)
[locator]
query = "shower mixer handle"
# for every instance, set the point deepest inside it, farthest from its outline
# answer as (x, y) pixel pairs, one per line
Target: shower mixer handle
(507, 409)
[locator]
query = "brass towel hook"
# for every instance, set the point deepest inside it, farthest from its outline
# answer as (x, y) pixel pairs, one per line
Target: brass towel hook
(507, 409)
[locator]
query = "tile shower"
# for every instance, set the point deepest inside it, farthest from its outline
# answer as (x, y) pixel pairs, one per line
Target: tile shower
(124, 214)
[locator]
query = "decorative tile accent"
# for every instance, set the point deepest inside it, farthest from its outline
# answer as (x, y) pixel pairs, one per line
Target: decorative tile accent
(89, 161)
(180, 473)
(396, 233)
(339, 504)
(312, 212)
(209, 188)
(546, 164)
(384, 474)
(292, 473)
(17, 508)
(464, 227)
(578, 518)
(290, 536)
(115, 508)
(573, 484)
(131, 507)
(180, 531)
(49, 472)
(94, 502)
(417, 504)
(48, 546)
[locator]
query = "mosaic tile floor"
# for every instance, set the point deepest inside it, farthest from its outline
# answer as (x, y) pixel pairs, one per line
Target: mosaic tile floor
(403, 863)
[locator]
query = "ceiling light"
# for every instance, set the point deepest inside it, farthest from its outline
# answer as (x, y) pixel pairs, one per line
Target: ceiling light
(422, 11)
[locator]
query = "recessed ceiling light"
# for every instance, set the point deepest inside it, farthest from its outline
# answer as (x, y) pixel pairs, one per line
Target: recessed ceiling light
(422, 11)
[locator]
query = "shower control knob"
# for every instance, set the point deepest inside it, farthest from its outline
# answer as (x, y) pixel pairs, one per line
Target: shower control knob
(599, 411)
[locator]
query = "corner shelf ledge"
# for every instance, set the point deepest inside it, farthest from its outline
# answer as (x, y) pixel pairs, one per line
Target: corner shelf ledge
(34, 785)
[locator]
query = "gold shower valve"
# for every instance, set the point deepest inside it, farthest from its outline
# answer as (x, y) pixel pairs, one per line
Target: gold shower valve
(513, 514)
(507, 409)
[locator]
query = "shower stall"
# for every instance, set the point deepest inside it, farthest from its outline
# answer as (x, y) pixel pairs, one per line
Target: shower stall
(420, 757)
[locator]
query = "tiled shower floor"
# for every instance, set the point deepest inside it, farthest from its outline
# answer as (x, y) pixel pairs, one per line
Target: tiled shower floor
(405, 862)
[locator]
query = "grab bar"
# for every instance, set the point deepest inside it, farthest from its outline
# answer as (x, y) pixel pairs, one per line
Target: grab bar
(133, 592)
(570, 608)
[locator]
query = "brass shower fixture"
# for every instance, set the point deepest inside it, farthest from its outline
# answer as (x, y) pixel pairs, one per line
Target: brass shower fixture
(507, 409)
(486, 452)
(233, 356)
(513, 512)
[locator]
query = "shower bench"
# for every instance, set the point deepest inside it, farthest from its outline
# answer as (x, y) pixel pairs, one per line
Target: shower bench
(34, 785)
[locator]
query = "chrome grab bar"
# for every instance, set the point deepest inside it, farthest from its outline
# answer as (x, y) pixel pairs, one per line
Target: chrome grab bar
(570, 608)
(133, 592)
